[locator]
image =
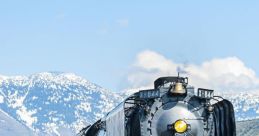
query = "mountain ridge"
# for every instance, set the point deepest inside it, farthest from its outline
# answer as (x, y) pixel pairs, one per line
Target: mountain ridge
(44, 101)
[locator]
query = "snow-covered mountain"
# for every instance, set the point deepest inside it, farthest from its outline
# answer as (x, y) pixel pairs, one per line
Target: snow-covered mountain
(52, 103)
(246, 104)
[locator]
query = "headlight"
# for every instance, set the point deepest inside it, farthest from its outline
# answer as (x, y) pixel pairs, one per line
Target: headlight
(180, 126)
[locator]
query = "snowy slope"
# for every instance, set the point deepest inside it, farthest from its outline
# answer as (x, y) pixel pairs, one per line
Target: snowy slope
(248, 128)
(10, 127)
(54, 102)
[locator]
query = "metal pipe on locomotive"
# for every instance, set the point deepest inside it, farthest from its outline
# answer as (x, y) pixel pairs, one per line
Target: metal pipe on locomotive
(172, 108)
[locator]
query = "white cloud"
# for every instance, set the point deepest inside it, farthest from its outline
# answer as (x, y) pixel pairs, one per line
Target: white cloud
(123, 22)
(221, 74)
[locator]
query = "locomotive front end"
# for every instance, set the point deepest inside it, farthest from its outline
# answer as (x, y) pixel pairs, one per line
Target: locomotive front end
(177, 111)
(172, 108)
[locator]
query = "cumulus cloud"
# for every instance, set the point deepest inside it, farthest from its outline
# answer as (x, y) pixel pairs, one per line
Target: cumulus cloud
(221, 74)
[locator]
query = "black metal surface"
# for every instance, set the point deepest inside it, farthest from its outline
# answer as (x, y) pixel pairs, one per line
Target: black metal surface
(224, 119)
(163, 80)
(231, 119)
(216, 116)
(83, 131)
(134, 125)
(227, 120)
(93, 130)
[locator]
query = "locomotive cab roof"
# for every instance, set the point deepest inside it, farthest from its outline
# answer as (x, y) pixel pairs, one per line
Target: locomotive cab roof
(170, 79)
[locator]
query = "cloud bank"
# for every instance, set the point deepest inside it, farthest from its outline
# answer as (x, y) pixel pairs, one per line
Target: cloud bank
(220, 74)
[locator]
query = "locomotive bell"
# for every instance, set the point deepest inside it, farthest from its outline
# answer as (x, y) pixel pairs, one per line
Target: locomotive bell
(178, 88)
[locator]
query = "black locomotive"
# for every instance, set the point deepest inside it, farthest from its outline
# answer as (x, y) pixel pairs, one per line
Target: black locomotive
(172, 108)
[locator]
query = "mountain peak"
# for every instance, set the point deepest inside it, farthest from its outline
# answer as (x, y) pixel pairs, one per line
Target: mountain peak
(51, 101)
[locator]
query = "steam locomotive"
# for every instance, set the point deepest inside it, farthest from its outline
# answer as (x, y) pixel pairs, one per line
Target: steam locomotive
(172, 108)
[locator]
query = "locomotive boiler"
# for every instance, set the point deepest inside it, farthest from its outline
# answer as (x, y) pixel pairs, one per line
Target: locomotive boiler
(172, 108)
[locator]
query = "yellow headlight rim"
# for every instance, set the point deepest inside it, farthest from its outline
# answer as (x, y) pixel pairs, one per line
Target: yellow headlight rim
(180, 126)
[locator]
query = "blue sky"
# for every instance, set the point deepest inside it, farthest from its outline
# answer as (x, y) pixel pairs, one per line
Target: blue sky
(100, 40)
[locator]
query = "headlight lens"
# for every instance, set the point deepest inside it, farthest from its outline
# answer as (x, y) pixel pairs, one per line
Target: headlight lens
(180, 126)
